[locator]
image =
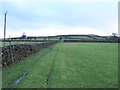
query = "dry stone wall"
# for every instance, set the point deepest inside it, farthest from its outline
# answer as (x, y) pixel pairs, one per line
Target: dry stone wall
(13, 53)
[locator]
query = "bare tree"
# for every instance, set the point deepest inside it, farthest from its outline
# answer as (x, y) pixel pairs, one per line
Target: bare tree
(114, 34)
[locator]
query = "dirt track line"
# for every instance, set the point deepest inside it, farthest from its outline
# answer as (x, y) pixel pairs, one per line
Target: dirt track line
(18, 80)
(51, 70)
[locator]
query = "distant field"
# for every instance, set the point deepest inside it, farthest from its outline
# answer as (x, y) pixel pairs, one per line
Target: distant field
(68, 65)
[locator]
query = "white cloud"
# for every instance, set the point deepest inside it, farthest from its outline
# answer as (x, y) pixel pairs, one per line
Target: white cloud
(55, 19)
(52, 30)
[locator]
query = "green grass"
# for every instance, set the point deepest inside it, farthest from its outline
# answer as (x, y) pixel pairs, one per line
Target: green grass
(12, 72)
(83, 37)
(69, 65)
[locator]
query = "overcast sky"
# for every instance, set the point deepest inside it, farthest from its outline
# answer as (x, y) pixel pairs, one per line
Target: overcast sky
(35, 18)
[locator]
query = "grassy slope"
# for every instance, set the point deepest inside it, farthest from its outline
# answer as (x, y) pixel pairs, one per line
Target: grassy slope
(69, 65)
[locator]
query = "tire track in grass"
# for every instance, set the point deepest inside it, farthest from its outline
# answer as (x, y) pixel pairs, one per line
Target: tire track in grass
(37, 76)
(22, 76)
(50, 73)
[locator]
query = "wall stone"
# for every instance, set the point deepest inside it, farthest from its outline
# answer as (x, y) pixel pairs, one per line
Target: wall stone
(13, 53)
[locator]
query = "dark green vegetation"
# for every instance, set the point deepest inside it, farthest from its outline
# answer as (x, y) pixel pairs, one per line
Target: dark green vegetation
(65, 38)
(13, 43)
(68, 65)
(0, 78)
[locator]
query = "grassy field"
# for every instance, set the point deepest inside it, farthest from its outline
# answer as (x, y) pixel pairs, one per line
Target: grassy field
(68, 65)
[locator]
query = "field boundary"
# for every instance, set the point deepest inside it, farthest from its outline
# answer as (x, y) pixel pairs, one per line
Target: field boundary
(13, 53)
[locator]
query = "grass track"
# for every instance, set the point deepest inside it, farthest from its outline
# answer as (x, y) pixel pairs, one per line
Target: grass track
(69, 65)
